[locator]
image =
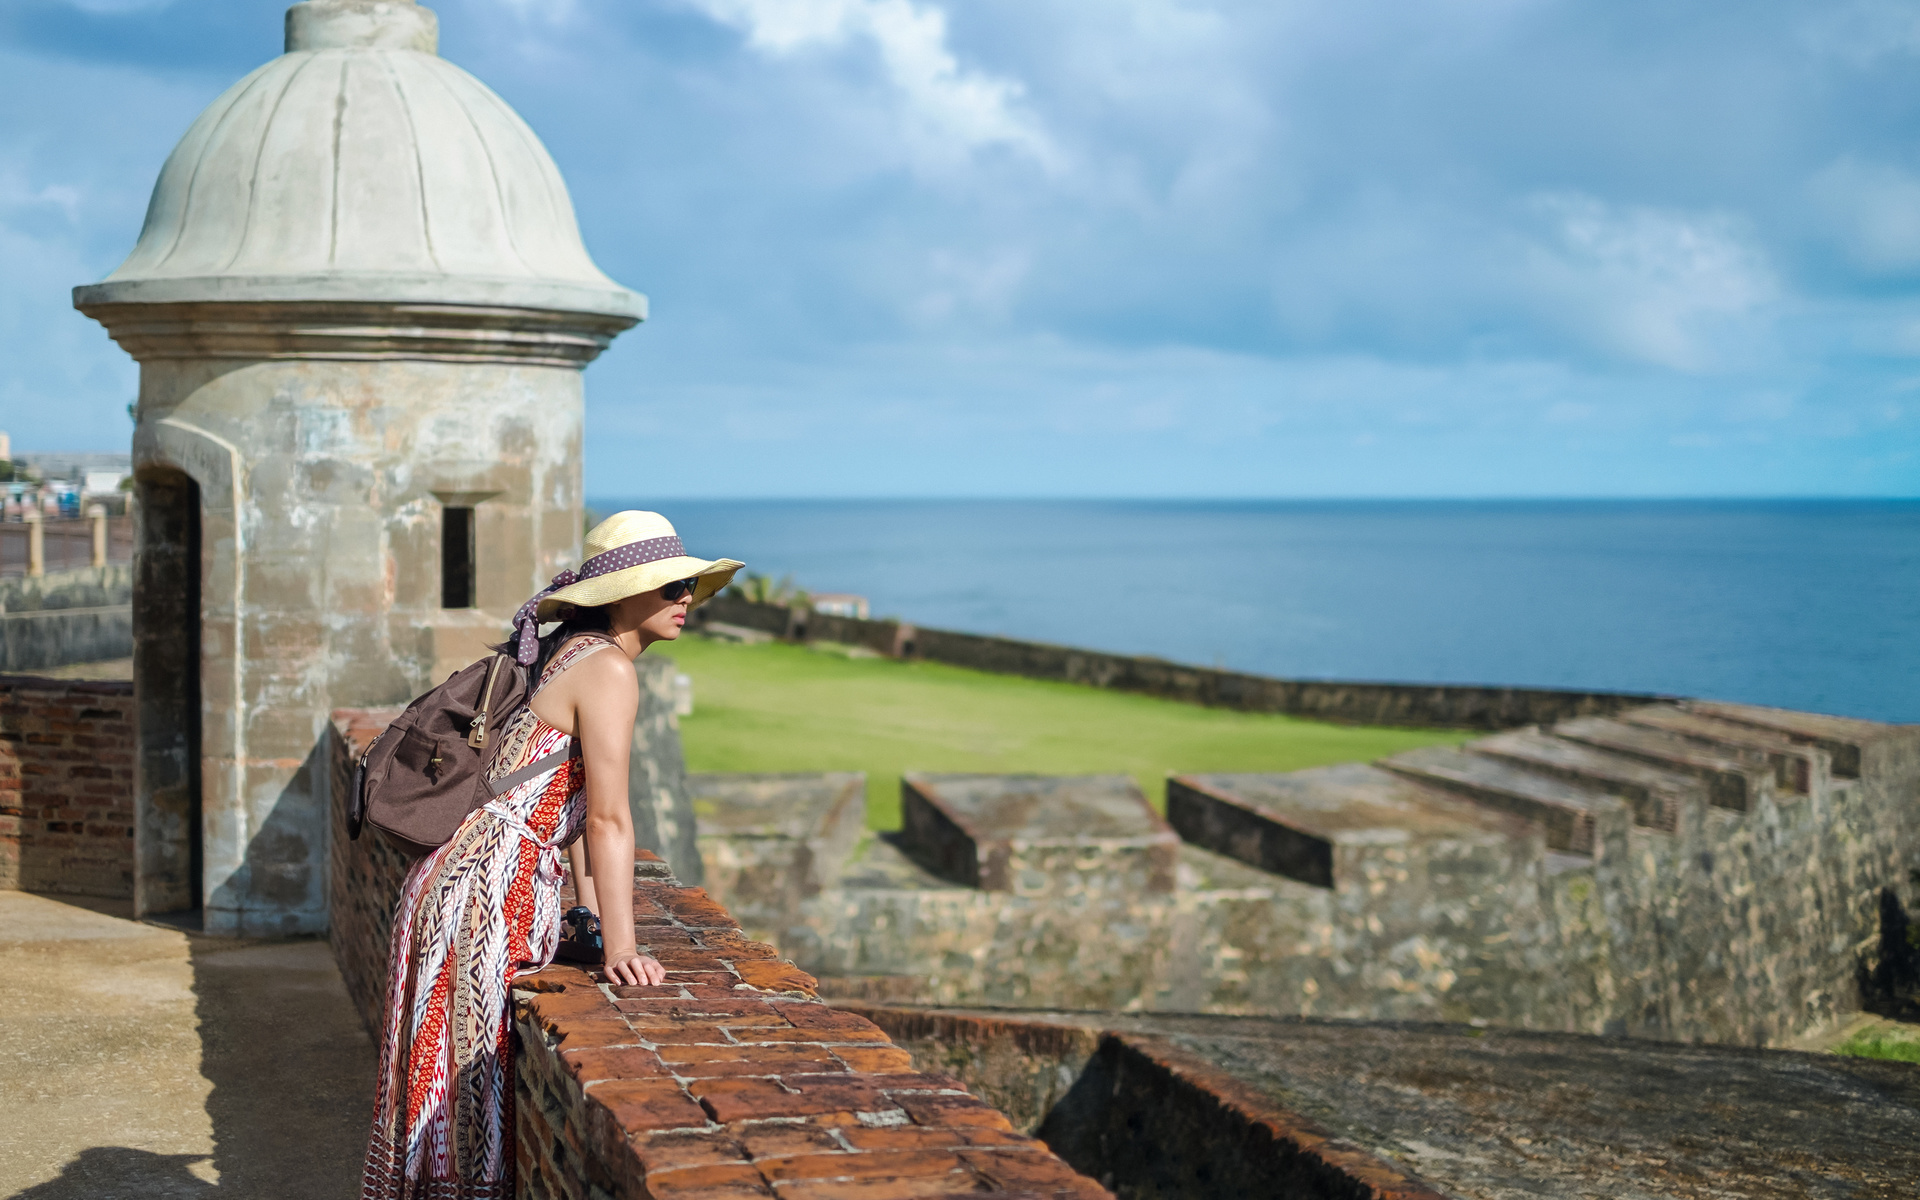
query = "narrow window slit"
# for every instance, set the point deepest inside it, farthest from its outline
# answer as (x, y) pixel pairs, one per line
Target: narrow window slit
(456, 558)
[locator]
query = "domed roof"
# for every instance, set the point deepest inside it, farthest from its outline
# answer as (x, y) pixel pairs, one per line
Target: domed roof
(361, 166)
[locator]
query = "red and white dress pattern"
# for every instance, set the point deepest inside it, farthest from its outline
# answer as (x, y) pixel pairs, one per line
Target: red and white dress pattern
(473, 914)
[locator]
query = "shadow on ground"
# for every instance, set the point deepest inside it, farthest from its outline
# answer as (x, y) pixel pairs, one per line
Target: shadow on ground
(292, 1069)
(256, 1072)
(122, 1171)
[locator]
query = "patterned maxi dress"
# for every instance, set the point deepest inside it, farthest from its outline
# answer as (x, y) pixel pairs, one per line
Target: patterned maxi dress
(472, 915)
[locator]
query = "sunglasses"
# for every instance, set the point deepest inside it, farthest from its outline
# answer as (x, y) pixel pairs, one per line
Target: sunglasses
(677, 589)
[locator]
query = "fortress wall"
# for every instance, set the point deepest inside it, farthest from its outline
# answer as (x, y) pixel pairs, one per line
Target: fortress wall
(66, 786)
(66, 617)
(1743, 928)
(37, 641)
(1452, 706)
(1733, 927)
(1749, 934)
(89, 587)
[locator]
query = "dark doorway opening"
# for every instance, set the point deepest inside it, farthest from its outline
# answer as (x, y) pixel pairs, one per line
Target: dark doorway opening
(166, 688)
(457, 567)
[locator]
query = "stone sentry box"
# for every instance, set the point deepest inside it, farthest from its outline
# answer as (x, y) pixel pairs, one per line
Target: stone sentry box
(1038, 835)
(360, 304)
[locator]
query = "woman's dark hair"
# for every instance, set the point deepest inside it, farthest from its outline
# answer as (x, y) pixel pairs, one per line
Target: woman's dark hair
(573, 620)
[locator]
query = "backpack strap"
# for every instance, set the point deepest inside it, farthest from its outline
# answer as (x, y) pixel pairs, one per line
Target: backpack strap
(477, 736)
(506, 783)
(585, 644)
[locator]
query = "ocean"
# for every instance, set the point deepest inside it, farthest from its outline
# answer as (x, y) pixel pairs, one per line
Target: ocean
(1802, 604)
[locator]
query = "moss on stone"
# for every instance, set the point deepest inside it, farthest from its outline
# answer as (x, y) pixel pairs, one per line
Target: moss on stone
(1894, 1043)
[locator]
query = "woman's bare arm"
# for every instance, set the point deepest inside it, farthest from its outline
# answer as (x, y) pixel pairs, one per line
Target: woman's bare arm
(604, 696)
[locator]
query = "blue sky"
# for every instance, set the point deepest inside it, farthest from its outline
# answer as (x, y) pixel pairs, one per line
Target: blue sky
(1134, 248)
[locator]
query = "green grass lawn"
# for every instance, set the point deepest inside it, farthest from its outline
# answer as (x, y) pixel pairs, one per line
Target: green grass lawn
(779, 707)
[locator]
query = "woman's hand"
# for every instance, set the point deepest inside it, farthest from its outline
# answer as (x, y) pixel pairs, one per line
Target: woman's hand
(634, 969)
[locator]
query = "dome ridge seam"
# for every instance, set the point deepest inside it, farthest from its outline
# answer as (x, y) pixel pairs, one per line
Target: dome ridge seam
(493, 172)
(419, 163)
(259, 152)
(184, 219)
(339, 123)
(559, 202)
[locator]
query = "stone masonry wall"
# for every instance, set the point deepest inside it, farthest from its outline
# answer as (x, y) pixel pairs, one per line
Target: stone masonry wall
(1735, 928)
(657, 795)
(1686, 920)
(66, 786)
(37, 641)
(66, 617)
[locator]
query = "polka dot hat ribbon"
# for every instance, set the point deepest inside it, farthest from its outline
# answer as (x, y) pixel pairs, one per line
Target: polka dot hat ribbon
(526, 624)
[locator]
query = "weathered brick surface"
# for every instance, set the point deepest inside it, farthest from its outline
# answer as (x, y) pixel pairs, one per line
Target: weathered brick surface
(731, 1080)
(713, 1087)
(364, 875)
(66, 786)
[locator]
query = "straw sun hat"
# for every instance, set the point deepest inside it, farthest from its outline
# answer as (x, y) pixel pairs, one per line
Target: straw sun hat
(626, 554)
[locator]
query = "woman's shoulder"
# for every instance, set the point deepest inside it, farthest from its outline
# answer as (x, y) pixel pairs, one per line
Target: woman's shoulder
(598, 660)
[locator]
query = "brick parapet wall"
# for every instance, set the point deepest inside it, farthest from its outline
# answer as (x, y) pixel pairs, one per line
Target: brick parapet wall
(66, 786)
(363, 876)
(730, 1081)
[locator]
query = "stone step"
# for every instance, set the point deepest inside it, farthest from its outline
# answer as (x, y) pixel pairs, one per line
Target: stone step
(1564, 810)
(1797, 766)
(1735, 778)
(1308, 825)
(1849, 740)
(1038, 835)
(769, 842)
(1654, 794)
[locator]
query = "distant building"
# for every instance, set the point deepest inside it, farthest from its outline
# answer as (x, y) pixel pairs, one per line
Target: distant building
(839, 604)
(76, 466)
(99, 483)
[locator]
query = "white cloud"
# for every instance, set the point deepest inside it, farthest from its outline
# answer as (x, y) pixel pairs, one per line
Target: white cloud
(951, 109)
(1656, 285)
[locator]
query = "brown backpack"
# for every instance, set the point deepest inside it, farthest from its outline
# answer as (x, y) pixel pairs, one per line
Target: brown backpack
(425, 772)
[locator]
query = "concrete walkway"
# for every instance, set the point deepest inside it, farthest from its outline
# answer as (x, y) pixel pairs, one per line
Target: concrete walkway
(141, 1061)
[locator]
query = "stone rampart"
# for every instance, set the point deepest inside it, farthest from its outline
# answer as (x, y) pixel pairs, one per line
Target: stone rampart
(90, 587)
(729, 1081)
(66, 786)
(55, 637)
(64, 617)
(1454, 706)
(1733, 893)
